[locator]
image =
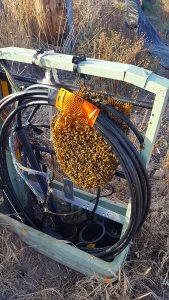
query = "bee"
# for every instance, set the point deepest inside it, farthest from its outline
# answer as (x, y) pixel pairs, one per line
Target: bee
(82, 153)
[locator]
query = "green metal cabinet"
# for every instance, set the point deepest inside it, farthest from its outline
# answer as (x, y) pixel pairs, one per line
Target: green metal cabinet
(62, 251)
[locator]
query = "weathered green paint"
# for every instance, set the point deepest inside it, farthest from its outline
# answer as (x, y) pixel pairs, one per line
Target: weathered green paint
(63, 252)
(137, 76)
(159, 86)
(160, 103)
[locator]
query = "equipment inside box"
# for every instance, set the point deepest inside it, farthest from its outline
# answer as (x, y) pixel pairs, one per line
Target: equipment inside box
(90, 141)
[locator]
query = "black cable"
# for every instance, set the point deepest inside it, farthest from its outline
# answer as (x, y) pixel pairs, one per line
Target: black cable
(43, 149)
(33, 113)
(132, 179)
(96, 203)
(41, 125)
(136, 158)
(4, 168)
(124, 118)
(104, 195)
(30, 95)
(20, 96)
(38, 86)
(129, 158)
(6, 178)
(138, 163)
(109, 194)
(132, 174)
(137, 102)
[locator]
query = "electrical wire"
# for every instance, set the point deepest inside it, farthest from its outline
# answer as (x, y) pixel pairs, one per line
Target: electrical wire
(96, 203)
(6, 177)
(134, 170)
(120, 115)
(10, 191)
(137, 181)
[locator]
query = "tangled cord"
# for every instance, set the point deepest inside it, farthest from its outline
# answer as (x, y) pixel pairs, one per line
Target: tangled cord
(125, 151)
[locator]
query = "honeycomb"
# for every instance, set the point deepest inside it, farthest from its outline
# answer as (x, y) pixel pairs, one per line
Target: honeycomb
(82, 153)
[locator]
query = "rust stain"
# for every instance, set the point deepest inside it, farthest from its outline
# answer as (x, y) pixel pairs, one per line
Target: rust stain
(107, 280)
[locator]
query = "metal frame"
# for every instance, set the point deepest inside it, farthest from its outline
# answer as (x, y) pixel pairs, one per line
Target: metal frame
(147, 80)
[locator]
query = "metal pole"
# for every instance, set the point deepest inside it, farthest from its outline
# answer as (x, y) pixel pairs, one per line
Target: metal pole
(70, 21)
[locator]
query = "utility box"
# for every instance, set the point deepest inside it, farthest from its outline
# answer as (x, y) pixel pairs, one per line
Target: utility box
(61, 250)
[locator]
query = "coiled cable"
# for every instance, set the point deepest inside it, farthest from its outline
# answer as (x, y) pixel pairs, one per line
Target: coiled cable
(128, 156)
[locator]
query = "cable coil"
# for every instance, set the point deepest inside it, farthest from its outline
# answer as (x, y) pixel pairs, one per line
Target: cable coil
(127, 154)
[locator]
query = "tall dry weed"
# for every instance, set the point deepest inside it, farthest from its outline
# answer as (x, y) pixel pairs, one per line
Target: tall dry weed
(26, 23)
(98, 30)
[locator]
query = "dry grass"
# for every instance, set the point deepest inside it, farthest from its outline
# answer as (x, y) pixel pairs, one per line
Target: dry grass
(98, 31)
(101, 33)
(158, 10)
(25, 274)
(33, 22)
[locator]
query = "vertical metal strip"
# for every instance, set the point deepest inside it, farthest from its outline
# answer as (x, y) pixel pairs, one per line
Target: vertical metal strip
(159, 107)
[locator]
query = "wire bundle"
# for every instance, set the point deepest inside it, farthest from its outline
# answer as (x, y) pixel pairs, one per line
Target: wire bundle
(135, 174)
(25, 99)
(116, 139)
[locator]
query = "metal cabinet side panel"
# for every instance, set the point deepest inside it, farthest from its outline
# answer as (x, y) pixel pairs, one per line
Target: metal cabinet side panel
(71, 256)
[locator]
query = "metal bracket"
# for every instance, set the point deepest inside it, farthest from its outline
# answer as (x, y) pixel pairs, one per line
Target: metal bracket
(35, 56)
(76, 59)
(101, 211)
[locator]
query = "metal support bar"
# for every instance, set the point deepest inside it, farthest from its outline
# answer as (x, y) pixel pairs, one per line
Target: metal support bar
(160, 103)
(106, 208)
(137, 102)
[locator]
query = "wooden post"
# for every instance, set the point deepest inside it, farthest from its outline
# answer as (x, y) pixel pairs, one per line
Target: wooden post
(51, 18)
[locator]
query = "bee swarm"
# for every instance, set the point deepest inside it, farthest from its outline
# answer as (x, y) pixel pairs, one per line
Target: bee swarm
(83, 154)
